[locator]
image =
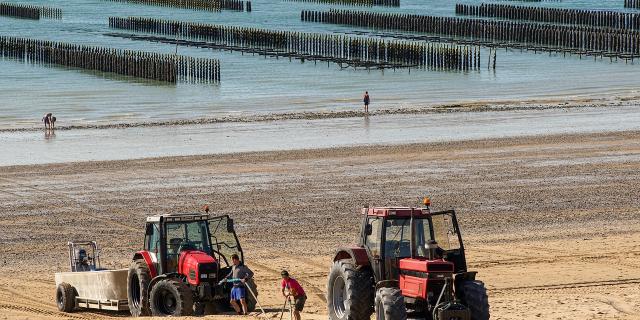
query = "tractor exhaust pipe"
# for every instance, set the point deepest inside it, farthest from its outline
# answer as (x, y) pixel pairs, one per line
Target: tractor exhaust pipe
(411, 241)
(432, 245)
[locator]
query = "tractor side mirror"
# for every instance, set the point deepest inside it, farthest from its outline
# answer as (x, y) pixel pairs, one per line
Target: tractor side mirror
(230, 227)
(368, 230)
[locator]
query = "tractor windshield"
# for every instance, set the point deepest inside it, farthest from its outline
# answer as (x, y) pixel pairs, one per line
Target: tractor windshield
(398, 243)
(187, 236)
(398, 235)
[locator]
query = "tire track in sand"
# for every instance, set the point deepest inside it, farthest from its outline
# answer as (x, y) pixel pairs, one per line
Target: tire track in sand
(15, 293)
(38, 311)
(572, 285)
(551, 259)
(316, 291)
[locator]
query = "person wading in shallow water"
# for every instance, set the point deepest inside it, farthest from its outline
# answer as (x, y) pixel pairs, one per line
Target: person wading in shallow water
(366, 101)
(47, 120)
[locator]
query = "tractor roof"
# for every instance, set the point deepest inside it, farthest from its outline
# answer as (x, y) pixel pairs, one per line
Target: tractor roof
(174, 217)
(395, 211)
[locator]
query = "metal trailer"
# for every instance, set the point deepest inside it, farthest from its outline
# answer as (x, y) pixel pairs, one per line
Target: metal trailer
(87, 285)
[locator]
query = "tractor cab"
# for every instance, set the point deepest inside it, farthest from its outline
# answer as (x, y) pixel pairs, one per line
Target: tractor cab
(169, 237)
(397, 236)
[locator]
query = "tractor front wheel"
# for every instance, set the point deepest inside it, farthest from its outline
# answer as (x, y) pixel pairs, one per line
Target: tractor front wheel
(65, 297)
(349, 292)
(475, 298)
(390, 304)
(171, 297)
(139, 277)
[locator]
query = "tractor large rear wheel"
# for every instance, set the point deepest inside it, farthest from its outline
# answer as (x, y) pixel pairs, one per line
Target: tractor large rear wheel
(171, 298)
(350, 292)
(251, 300)
(390, 304)
(139, 278)
(475, 298)
(65, 297)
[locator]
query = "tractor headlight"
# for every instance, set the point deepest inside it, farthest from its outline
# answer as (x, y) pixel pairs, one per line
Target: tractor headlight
(203, 276)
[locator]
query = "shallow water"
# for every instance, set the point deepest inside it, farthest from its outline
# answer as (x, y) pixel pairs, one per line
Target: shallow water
(21, 148)
(253, 84)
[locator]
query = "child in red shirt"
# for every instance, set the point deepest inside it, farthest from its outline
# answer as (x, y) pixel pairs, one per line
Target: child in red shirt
(295, 291)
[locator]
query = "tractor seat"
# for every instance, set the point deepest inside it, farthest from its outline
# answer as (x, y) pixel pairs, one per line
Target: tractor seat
(397, 249)
(175, 242)
(187, 245)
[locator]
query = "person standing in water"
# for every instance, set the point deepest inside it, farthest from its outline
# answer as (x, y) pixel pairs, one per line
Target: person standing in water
(366, 101)
(47, 120)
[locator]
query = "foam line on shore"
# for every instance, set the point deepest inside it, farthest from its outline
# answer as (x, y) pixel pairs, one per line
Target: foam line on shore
(319, 115)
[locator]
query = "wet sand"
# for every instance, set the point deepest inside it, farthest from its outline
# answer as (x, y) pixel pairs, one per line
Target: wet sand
(554, 103)
(233, 137)
(550, 222)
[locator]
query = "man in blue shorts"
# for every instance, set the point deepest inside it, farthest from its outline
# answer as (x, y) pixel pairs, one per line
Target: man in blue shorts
(241, 273)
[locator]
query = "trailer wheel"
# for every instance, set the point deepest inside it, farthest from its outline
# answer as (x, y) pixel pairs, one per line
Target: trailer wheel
(139, 278)
(350, 292)
(66, 297)
(171, 297)
(475, 298)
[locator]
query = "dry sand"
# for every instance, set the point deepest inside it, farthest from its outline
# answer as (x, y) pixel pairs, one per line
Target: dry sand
(551, 223)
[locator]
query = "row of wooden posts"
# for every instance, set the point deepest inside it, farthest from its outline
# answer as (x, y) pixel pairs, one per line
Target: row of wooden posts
(388, 3)
(336, 47)
(632, 4)
(622, 43)
(29, 12)
(139, 64)
(596, 18)
(208, 5)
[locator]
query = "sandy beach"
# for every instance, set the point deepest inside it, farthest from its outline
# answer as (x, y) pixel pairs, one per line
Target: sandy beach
(550, 222)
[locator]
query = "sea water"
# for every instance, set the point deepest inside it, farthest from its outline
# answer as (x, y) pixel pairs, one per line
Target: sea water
(253, 84)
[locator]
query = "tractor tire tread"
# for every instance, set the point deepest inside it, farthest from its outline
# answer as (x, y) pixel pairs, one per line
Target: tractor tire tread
(359, 290)
(183, 295)
(251, 300)
(392, 303)
(140, 267)
(475, 298)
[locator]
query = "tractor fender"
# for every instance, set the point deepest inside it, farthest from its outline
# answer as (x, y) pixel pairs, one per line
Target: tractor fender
(460, 278)
(357, 255)
(162, 277)
(147, 258)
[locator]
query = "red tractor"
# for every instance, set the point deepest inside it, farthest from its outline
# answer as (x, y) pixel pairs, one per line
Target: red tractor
(184, 258)
(409, 261)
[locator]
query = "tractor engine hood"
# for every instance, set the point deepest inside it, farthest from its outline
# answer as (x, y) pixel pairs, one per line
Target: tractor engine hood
(422, 278)
(197, 266)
